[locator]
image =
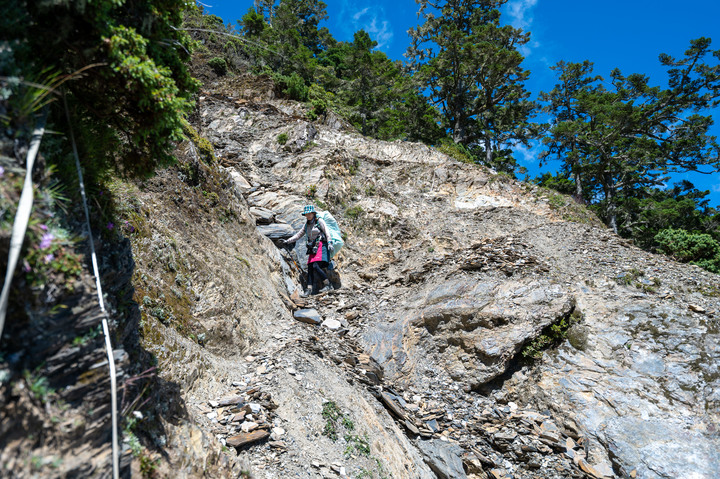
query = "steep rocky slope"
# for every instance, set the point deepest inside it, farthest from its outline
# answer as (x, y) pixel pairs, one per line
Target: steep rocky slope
(454, 270)
(415, 368)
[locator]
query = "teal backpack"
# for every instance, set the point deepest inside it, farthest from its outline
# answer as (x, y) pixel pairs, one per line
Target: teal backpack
(334, 230)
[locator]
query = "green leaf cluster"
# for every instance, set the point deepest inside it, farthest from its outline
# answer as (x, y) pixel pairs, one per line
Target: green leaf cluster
(134, 87)
(620, 139)
(376, 95)
(471, 64)
(696, 248)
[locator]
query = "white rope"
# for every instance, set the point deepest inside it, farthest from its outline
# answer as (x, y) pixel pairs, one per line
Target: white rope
(106, 328)
(22, 217)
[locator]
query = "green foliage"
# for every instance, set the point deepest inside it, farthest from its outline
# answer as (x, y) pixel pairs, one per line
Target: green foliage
(617, 141)
(293, 86)
(556, 201)
(87, 337)
(551, 335)
(282, 138)
(331, 412)
(148, 465)
(128, 103)
(559, 182)
(252, 23)
(357, 444)
(361, 84)
(335, 419)
(51, 256)
(354, 212)
(700, 249)
(457, 151)
(471, 65)
(629, 277)
(203, 145)
(38, 385)
(218, 65)
(319, 108)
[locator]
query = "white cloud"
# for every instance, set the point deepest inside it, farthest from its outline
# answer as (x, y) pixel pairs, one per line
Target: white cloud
(527, 155)
(716, 188)
(521, 16)
(371, 18)
(359, 14)
(372, 21)
(520, 12)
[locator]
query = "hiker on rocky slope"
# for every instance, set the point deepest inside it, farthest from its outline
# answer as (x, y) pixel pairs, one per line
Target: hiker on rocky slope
(316, 233)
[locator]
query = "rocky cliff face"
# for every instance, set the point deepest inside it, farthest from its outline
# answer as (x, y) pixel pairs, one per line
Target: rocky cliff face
(454, 270)
(415, 368)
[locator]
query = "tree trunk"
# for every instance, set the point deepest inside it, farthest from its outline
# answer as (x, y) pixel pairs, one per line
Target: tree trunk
(458, 109)
(578, 184)
(575, 168)
(488, 150)
(458, 130)
(610, 208)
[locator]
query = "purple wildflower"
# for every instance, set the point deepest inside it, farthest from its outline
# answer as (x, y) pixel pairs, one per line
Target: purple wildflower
(26, 266)
(110, 226)
(49, 257)
(43, 227)
(2, 171)
(46, 240)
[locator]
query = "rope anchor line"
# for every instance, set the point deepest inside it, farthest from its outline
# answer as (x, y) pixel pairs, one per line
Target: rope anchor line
(105, 316)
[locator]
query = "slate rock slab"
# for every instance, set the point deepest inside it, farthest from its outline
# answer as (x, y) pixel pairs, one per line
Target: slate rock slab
(263, 216)
(276, 231)
(444, 459)
(247, 438)
(309, 316)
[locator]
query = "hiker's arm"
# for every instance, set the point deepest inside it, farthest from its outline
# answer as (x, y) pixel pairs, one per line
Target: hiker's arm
(296, 236)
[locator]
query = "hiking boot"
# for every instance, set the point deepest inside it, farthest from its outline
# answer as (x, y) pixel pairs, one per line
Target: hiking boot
(325, 289)
(305, 293)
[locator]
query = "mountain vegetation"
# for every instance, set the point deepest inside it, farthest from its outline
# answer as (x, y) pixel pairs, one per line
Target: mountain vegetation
(463, 91)
(190, 281)
(124, 70)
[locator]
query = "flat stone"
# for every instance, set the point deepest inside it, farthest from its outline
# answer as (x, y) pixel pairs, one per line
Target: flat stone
(696, 308)
(238, 417)
(240, 182)
(309, 316)
(332, 324)
(248, 426)
(263, 216)
(506, 435)
(230, 401)
(392, 405)
(444, 459)
(411, 427)
(245, 439)
(276, 231)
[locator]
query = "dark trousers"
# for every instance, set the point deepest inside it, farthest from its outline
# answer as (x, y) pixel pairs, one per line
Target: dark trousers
(316, 276)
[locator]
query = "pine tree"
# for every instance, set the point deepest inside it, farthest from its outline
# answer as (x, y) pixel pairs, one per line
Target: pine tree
(634, 135)
(564, 104)
(472, 67)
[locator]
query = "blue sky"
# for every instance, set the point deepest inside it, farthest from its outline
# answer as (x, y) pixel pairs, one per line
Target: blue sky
(624, 34)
